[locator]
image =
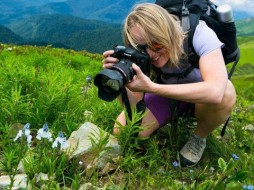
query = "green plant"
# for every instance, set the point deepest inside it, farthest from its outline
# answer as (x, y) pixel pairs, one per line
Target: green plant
(128, 137)
(45, 84)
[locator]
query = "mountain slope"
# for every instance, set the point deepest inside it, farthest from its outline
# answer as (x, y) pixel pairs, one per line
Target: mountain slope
(76, 33)
(245, 27)
(13, 10)
(7, 36)
(104, 10)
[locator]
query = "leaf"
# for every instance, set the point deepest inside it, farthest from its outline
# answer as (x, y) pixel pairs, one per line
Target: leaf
(220, 186)
(222, 164)
(240, 176)
(231, 165)
(233, 185)
(206, 185)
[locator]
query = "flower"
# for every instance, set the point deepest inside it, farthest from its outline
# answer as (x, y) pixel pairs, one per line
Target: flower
(80, 162)
(211, 169)
(29, 140)
(235, 157)
(191, 174)
(25, 132)
(175, 164)
(248, 187)
(60, 140)
(44, 133)
(19, 134)
(88, 79)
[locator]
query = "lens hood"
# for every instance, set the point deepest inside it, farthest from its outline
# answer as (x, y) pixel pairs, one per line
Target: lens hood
(103, 93)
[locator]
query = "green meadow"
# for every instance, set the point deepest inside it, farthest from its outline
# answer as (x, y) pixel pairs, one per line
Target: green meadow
(41, 85)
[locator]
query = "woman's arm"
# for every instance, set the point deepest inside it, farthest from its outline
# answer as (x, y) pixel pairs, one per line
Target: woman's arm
(210, 90)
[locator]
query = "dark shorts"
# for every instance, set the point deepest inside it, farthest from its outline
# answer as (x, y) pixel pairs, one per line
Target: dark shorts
(161, 108)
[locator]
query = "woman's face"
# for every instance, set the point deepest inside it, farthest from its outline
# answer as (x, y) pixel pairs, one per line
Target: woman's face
(159, 56)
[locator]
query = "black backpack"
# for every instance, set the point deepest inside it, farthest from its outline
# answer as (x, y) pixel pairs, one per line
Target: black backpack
(190, 12)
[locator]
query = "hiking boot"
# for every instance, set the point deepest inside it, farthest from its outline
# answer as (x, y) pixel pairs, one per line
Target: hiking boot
(192, 151)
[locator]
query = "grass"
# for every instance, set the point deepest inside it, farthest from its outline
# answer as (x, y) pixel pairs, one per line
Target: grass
(47, 85)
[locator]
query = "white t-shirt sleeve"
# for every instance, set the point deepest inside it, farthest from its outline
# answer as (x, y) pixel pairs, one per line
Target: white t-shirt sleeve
(205, 40)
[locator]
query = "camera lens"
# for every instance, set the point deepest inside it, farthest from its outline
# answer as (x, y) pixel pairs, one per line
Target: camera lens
(111, 81)
(110, 85)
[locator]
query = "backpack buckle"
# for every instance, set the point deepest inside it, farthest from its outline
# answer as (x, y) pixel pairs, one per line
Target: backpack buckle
(185, 11)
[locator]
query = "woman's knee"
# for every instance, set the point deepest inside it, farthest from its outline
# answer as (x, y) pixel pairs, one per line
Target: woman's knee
(222, 109)
(121, 121)
(149, 124)
(229, 98)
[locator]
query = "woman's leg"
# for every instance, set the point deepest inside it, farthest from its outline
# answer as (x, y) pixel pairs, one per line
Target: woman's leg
(157, 113)
(211, 116)
(149, 123)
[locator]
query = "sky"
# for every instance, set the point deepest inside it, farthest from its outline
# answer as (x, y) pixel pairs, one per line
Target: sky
(244, 5)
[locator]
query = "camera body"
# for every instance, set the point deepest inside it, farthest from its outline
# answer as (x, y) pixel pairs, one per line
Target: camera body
(111, 81)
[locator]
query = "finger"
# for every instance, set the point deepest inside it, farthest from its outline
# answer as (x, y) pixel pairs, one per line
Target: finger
(108, 65)
(136, 69)
(108, 53)
(109, 61)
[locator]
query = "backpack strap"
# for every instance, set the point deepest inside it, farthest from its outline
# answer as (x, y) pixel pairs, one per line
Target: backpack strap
(234, 64)
(185, 24)
(185, 20)
(189, 22)
(223, 130)
(229, 76)
(166, 76)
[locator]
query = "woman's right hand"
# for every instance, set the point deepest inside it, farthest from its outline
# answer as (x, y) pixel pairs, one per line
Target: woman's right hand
(108, 61)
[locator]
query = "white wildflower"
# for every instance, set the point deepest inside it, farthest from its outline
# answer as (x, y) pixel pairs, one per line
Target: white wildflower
(29, 139)
(80, 162)
(211, 169)
(25, 132)
(44, 133)
(20, 134)
(249, 127)
(64, 145)
(60, 140)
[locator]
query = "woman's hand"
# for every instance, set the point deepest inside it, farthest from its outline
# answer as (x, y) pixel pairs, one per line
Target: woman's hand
(108, 61)
(140, 82)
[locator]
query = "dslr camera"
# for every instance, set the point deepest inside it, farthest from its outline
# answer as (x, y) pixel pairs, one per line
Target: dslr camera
(111, 81)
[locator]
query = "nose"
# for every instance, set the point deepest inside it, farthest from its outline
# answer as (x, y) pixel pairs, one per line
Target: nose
(150, 52)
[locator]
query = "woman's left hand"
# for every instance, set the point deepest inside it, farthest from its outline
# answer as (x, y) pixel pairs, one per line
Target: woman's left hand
(140, 82)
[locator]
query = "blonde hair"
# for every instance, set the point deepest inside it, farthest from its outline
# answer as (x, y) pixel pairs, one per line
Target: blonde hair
(159, 26)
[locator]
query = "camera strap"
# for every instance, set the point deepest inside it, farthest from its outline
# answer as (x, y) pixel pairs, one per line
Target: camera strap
(140, 106)
(126, 102)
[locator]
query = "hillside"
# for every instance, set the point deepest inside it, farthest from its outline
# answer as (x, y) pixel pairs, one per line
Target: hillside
(105, 10)
(245, 27)
(79, 34)
(72, 32)
(44, 85)
(245, 66)
(243, 76)
(7, 36)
